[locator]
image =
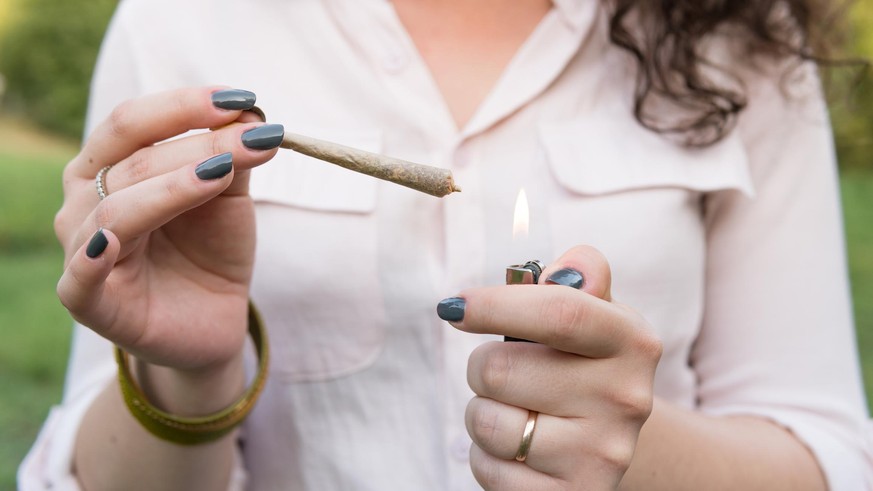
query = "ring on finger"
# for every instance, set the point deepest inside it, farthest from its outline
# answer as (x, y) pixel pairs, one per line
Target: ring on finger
(100, 181)
(527, 436)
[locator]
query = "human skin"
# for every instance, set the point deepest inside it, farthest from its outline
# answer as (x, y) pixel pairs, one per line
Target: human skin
(590, 377)
(161, 286)
(168, 278)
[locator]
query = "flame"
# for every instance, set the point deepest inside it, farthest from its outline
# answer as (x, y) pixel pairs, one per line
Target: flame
(521, 218)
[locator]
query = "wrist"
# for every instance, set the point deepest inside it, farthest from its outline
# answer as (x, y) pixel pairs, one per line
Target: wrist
(191, 392)
(194, 393)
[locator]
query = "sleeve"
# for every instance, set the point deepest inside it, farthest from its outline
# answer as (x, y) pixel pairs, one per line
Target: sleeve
(778, 339)
(48, 464)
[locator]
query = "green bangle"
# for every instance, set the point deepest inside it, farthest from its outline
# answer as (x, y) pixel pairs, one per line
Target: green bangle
(201, 429)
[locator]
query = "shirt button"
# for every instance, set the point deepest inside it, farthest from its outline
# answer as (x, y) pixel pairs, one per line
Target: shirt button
(395, 62)
(460, 448)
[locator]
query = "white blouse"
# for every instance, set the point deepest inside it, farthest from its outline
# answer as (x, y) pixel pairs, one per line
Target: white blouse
(734, 253)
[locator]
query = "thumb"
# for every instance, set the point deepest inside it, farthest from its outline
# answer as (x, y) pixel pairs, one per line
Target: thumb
(582, 267)
(82, 288)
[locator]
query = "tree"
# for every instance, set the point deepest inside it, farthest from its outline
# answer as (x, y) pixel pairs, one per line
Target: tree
(47, 56)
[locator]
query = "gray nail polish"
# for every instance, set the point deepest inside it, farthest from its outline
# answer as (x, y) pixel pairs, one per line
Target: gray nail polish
(97, 244)
(264, 137)
(233, 99)
(452, 309)
(215, 167)
(567, 277)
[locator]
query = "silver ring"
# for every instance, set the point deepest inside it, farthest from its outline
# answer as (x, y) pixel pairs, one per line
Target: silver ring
(100, 180)
(527, 436)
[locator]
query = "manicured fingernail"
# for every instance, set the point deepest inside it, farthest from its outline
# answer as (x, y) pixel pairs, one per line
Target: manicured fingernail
(452, 309)
(567, 277)
(97, 244)
(264, 137)
(233, 99)
(215, 167)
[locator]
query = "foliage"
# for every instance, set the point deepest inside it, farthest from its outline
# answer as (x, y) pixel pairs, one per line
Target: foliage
(48, 54)
(851, 92)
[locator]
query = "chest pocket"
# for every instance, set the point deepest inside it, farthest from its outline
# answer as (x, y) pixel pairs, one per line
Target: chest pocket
(637, 197)
(619, 185)
(316, 277)
(591, 157)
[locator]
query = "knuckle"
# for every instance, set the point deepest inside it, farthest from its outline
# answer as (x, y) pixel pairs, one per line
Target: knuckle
(180, 100)
(617, 453)
(68, 176)
(119, 121)
(67, 299)
(634, 402)
(495, 372)
(484, 426)
(561, 315)
(138, 168)
(648, 345)
(60, 224)
(104, 213)
(487, 473)
(173, 189)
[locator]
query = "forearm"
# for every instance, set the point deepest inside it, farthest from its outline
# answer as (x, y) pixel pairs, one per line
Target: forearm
(114, 451)
(679, 449)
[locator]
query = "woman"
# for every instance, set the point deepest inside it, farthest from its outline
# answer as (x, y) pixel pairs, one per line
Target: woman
(661, 135)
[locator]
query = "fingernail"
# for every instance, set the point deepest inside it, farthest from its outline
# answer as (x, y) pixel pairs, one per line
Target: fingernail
(215, 167)
(567, 277)
(452, 309)
(264, 137)
(97, 244)
(233, 99)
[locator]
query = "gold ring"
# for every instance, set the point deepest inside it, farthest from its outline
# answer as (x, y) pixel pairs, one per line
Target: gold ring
(527, 436)
(100, 180)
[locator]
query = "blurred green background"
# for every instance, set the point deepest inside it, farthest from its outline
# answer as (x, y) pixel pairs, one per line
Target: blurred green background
(47, 50)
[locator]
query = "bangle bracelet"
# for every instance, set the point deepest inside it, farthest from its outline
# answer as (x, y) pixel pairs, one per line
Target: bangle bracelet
(200, 429)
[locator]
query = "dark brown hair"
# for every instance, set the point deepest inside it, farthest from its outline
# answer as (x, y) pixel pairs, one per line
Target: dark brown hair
(667, 40)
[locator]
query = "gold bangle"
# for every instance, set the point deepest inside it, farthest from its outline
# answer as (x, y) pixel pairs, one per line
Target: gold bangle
(200, 429)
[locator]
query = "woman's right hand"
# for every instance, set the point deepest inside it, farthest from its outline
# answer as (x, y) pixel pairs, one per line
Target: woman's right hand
(173, 242)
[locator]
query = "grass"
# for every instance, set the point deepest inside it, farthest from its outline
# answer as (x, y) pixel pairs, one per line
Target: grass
(35, 339)
(35, 329)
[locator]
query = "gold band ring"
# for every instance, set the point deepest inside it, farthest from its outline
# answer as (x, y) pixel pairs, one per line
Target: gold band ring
(527, 436)
(100, 181)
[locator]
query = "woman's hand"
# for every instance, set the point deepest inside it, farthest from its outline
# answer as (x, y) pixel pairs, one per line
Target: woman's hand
(162, 265)
(590, 378)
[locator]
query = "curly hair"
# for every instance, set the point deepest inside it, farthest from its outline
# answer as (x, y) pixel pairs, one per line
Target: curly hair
(667, 37)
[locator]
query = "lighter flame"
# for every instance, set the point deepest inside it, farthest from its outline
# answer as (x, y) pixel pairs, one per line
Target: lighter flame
(521, 219)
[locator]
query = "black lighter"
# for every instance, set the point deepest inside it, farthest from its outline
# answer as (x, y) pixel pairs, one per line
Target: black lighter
(524, 274)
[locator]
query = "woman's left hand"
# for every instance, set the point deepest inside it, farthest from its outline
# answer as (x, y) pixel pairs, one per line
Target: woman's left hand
(589, 377)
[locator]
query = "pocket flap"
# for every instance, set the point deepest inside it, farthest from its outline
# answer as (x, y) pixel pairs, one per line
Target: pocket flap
(297, 180)
(594, 156)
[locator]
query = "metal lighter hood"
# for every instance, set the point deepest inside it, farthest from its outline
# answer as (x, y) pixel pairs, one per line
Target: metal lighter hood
(524, 274)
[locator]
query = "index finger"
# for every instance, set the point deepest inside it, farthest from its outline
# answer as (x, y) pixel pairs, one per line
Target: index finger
(563, 318)
(141, 122)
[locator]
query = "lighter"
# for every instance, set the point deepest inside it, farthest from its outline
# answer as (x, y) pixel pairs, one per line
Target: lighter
(524, 274)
